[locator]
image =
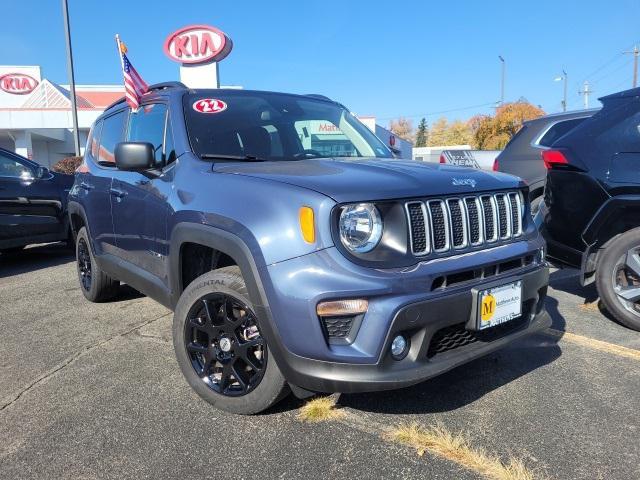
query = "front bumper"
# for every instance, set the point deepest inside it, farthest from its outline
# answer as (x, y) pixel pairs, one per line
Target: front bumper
(398, 302)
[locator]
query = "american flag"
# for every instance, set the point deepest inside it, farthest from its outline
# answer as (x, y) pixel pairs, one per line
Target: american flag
(134, 85)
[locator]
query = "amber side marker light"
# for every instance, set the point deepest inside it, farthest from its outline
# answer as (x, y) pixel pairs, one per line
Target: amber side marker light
(307, 224)
(341, 308)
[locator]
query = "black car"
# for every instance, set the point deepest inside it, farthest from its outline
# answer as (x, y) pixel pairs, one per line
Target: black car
(522, 155)
(591, 210)
(33, 203)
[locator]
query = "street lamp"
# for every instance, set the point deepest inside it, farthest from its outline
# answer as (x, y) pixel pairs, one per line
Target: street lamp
(564, 98)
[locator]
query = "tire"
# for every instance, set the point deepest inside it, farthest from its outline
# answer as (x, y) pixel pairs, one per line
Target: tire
(618, 278)
(96, 286)
(199, 343)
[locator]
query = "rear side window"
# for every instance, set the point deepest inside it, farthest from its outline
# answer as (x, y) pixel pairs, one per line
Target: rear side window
(557, 130)
(621, 132)
(148, 125)
(10, 167)
(93, 142)
(112, 134)
(515, 137)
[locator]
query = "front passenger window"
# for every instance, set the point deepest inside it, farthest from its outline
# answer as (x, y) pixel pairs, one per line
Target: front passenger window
(112, 129)
(147, 125)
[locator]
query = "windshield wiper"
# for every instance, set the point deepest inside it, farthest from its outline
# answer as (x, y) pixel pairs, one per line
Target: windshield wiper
(242, 158)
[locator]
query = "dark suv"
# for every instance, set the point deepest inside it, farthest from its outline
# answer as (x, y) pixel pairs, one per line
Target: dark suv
(522, 155)
(296, 252)
(592, 203)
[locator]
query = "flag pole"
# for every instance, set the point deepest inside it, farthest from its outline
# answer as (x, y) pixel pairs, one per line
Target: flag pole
(72, 81)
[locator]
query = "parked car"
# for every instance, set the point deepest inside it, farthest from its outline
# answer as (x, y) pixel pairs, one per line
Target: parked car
(481, 159)
(522, 155)
(591, 211)
(33, 203)
(289, 267)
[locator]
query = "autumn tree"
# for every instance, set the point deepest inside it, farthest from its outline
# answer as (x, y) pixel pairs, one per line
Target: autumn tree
(493, 133)
(443, 133)
(402, 128)
(423, 133)
(438, 133)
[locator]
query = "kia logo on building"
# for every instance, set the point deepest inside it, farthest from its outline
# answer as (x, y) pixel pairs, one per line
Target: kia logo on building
(197, 44)
(18, 83)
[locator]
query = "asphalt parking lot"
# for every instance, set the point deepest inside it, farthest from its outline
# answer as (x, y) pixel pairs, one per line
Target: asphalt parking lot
(93, 391)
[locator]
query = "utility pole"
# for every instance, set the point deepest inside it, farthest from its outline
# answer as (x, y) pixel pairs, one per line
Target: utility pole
(585, 92)
(72, 81)
(502, 80)
(635, 52)
(564, 98)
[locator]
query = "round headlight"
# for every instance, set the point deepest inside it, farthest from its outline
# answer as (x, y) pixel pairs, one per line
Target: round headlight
(360, 227)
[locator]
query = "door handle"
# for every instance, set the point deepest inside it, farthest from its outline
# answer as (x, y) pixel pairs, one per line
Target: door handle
(86, 186)
(117, 193)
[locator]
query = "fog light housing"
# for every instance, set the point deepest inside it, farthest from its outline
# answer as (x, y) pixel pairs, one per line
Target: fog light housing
(399, 347)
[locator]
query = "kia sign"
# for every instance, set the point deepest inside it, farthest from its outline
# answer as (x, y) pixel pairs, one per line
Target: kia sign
(197, 44)
(17, 83)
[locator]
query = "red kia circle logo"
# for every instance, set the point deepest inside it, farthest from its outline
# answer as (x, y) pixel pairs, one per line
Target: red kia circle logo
(197, 44)
(18, 83)
(209, 105)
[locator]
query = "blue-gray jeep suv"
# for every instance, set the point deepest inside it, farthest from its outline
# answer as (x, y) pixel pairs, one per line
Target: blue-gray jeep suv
(297, 253)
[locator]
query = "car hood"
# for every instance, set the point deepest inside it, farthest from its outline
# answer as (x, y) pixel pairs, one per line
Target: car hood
(362, 179)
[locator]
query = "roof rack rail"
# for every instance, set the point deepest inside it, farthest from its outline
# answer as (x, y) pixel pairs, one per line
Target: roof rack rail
(163, 85)
(317, 95)
(155, 86)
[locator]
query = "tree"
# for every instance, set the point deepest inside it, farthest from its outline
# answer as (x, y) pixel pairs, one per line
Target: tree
(423, 133)
(459, 133)
(438, 133)
(493, 133)
(402, 128)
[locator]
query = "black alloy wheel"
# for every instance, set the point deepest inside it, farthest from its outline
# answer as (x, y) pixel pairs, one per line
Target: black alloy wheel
(224, 344)
(84, 264)
(626, 280)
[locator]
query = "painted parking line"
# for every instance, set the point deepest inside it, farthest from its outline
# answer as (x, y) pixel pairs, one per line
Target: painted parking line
(594, 344)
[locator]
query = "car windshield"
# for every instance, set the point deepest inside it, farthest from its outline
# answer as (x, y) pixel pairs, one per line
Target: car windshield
(255, 126)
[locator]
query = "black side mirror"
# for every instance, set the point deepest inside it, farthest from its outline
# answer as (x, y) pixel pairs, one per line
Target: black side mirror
(42, 173)
(134, 156)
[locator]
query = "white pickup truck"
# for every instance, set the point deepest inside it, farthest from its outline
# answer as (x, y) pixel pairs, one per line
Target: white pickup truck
(480, 159)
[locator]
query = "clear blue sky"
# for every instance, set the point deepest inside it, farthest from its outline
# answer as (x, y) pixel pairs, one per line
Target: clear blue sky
(380, 58)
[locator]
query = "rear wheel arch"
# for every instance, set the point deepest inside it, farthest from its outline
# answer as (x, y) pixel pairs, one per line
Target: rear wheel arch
(617, 216)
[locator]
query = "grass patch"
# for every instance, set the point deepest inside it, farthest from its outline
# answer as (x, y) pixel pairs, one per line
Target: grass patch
(320, 409)
(455, 447)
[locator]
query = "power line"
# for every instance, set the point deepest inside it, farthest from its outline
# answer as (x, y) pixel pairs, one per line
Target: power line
(430, 114)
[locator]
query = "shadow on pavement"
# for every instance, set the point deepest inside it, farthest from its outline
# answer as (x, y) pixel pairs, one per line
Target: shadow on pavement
(469, 382)
(34, 258)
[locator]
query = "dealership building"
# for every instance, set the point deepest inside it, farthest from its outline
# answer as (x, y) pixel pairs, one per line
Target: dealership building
(35, 113)
(36, 119)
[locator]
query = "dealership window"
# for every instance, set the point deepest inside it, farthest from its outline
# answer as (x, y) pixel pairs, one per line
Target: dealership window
(112, 132)
(148, 125)
(10, 167)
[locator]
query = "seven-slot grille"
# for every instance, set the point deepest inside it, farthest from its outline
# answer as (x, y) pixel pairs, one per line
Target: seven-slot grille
(443, 225)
